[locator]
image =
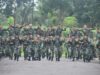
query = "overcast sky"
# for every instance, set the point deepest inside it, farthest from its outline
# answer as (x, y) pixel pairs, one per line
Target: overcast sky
(35, 1)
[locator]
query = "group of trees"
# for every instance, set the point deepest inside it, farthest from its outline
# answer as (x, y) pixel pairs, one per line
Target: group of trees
(52, 12)
(21, 10)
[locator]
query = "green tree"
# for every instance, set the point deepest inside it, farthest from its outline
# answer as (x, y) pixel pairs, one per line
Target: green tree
(55, 7)
(86, 11)
(70, 21)
(10, 20)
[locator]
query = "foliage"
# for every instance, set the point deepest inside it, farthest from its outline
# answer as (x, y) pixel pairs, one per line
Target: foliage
(70, 21)
(26, 11)
(66, 32)
(10, 20)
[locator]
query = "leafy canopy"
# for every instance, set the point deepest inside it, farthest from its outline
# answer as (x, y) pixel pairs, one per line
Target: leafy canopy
(10, 20)
(70, 21)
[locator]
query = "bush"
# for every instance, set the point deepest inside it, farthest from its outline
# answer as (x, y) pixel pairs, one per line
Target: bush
(70, 21)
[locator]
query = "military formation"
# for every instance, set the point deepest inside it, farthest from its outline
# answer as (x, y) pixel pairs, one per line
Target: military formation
(41, 43)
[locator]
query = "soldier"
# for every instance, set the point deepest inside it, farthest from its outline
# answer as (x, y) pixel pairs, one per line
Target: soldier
(98, 34)
(73, 45)
(7, 47)
(86, 30)
(3, 47)
(18, 43)
(25, 31)
(58, 31)
(17, 30)
(11, 45)
(68, 47)
(28, 50)
(52, 48)
(16, 53)
(33, 50)
(57, 44)
(86, 49)
(11, 30)
(43, 47)
(1, 42)
(37, 48)
(91, 52)
(98, 48)
(38, 31)
(73, 32)
(77, 48)
(53, 32)
(47, 43)
(25, 44)
(0, 47)
(28, 30)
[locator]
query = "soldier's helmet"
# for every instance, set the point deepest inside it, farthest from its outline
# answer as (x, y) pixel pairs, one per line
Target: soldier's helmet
(30, 36)
(20, 37)
(30, 25)
(7, 39)
(85, 26)
(12, 37)
(77, 39)
(85, 37)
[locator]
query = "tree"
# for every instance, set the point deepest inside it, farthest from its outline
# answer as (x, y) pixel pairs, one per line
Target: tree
(86, 11)
(10, 20)
(26, 8)
(55, 7)
(70, 21)
(6, 7)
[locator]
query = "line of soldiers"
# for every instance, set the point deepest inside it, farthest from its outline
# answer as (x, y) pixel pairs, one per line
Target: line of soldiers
(38, 43)
(83, 45)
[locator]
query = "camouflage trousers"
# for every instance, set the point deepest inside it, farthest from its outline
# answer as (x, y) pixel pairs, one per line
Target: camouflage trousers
(58, 53)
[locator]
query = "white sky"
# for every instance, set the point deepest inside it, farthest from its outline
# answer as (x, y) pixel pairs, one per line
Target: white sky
(36, 4)
(35, 1)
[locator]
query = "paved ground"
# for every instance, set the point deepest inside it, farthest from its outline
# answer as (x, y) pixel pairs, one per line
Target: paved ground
(44, 67)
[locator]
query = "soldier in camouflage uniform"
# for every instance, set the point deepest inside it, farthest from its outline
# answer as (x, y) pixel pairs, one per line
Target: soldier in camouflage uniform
(98, 48)
(25, 44)
(58, 51)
